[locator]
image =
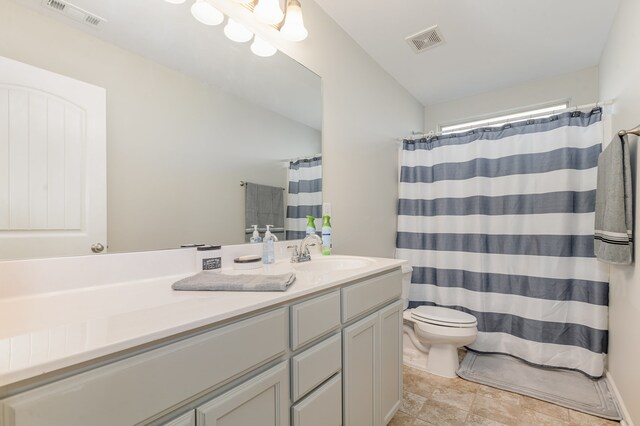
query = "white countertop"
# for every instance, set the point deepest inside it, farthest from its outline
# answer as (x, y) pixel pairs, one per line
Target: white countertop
(44, 332)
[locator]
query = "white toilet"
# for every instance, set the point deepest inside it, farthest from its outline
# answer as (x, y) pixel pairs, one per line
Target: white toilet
(432, 335)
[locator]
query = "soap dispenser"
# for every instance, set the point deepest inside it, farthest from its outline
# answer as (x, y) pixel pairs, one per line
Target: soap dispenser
(268, 246)
(256, 235)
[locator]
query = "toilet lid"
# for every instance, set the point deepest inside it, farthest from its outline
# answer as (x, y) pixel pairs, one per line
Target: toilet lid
(444, 316)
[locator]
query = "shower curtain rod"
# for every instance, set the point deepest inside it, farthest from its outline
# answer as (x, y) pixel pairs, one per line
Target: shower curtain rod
(416, 135)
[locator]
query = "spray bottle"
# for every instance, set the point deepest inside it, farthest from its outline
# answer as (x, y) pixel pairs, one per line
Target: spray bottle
(311, 225)
(326, 229)
(326, 235)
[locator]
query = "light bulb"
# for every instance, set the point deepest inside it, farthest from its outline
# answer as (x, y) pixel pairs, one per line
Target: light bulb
(262, 48)
(175, 1)
(244, 1)
(293, 28)
(237, 32)
(204, 12)
(269, 12)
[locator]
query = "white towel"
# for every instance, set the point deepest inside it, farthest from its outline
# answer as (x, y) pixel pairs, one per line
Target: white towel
(613, 236)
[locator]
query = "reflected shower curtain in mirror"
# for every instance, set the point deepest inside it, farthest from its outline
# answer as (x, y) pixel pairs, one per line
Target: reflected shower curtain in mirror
(498, 222)
(304, 196)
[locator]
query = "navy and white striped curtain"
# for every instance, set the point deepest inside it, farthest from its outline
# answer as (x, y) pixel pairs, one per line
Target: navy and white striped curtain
(304, 196)
(498, 222)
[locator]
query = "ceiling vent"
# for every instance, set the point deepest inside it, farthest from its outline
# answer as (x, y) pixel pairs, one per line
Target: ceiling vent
(74, 12)
(426, 39)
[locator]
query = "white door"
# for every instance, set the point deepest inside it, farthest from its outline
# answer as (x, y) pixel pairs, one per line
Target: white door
(52, 163)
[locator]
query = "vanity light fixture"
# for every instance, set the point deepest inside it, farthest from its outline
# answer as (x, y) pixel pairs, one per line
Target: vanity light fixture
(261, 47)
(268, 11)
(206, 13)
(289, 23)
(237, 32)
(293, 28)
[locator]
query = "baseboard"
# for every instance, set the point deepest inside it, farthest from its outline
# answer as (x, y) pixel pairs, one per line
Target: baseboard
(625, 413)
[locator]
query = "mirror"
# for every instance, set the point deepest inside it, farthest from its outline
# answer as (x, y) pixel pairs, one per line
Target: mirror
(189, 115)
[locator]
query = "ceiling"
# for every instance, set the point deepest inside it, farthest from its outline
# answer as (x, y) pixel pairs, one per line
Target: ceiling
(489, 44)
(168, 34)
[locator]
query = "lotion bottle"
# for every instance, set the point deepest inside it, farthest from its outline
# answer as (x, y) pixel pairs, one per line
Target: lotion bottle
(256, 235)
(268, 247)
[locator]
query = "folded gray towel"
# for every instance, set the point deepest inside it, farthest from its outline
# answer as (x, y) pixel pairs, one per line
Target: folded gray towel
(614, 200)
(215, 281)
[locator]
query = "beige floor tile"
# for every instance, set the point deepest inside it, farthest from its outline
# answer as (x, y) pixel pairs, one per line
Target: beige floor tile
(529, 417)
(476, 420)
(412, 403)
(441, 414)
(458, 398)
(416, 382)
(463, 384)
(418, 422)
(498, 394)
(581, 419)
(503, 411)
(401, 419)
(544, 408)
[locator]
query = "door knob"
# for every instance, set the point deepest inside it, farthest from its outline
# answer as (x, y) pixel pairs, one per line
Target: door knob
(97, 248)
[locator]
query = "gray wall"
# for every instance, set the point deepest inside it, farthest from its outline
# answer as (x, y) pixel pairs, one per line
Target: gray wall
(619, 80)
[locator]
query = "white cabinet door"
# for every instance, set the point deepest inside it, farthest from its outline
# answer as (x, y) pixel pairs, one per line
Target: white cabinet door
(53, 199)
(261, 401)
(390, 319)
(360, 371)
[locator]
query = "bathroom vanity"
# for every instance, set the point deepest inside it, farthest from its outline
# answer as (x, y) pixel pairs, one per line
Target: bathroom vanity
(325, 352)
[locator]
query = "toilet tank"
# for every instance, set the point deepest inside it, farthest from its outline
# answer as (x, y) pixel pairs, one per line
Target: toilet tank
(406, 284)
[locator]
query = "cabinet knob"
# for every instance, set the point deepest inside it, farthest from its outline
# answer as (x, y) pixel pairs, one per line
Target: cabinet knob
(97, 248)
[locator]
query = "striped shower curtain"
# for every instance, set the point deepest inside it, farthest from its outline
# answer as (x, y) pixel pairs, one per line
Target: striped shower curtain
(498, 222)
(304, 196)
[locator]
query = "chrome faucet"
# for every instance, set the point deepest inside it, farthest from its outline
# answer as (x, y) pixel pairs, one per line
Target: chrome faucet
(302, 254)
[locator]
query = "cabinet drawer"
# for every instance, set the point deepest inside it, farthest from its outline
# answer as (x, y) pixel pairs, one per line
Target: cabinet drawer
(313, 318)
(137, 388)
(362, 297)
(315, 365)
(263, 400)
(323, 407)
(188, 419)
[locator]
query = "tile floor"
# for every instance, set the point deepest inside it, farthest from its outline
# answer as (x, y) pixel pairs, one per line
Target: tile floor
(433, 400)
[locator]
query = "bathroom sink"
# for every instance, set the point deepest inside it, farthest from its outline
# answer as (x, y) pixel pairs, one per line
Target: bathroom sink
(333, 263)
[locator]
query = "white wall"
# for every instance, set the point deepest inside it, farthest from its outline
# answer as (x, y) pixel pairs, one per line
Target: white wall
(364, 111)
(177, 148)
(620, 80)
(581, 87)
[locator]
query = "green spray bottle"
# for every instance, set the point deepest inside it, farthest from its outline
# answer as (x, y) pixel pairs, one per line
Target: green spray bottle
(311, 225)
(326, 235)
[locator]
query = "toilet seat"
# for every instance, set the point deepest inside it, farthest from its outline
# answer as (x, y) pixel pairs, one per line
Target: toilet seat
(444, 317)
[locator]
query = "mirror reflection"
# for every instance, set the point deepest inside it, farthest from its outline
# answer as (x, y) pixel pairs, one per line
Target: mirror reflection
(189, 117)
